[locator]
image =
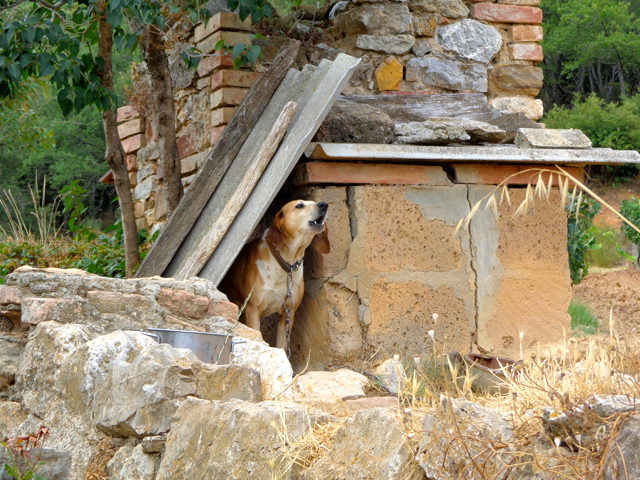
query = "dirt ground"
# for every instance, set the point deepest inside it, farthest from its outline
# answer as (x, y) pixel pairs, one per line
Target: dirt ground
(613, 292)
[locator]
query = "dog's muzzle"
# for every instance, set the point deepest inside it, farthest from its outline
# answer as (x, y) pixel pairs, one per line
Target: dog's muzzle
(318, 222)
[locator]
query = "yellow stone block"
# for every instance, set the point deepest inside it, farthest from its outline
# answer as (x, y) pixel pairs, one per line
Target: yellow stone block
(389, 74)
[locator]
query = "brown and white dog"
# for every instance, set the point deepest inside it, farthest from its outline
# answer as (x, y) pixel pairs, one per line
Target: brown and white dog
(260, 273)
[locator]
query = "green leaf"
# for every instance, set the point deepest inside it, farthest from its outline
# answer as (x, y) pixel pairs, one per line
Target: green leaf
(219, 45)
(253, 54)
(113, 4)
(14, 70)
(66, 106)
(29, 34)
(237, 50)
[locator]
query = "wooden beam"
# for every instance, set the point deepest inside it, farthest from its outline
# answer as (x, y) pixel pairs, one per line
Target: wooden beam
(197, 259)
(216, 164)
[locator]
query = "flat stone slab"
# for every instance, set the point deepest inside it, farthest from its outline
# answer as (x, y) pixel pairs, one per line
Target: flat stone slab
(551, 138)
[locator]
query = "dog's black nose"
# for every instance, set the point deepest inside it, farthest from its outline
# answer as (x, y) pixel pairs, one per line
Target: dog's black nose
(323, 206)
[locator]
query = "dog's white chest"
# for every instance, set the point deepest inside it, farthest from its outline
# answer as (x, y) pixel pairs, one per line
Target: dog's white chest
(275, 285)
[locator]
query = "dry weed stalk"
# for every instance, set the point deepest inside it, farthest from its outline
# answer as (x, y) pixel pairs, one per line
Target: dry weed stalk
(540, 185)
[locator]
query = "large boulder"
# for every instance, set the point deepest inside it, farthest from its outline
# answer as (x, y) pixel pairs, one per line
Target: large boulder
(233, 440)
(372, 444)
(328, 390)
(456, 442)
(275, 370)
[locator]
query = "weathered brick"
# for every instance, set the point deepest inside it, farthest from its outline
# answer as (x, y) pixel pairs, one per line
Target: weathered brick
(9, 295)
(222, 116)
(183, 303)
(531, 3)
(186, 147)
(224, 309)
(133, 179)
(211, 64)
(492, 12)
(134, 143)
(142, 224)
(233, 78)
(494, 174)
(216, 133)
(527, 33)
(228, 97)
(127, 113)
(221, 21)
(527, 51)
(338, 173)
(130, 128)
(208, 45)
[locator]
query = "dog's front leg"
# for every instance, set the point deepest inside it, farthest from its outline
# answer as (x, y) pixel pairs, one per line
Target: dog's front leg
(281, 339)
(252, 317)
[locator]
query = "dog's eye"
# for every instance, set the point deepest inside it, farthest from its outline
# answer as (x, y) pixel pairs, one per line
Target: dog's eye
(300, 205)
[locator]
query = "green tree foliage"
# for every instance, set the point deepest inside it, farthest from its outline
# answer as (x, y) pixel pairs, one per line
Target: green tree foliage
(613, 125)
(630, 208)
(591, 46)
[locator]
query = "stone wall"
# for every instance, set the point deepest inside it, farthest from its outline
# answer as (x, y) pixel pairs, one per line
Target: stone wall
(501, 285)
(417, 47)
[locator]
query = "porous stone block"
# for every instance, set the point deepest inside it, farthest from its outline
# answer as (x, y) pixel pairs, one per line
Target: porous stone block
(9, 295)
(349, 122)
(515, 256)
(492, 12)
(389, 74)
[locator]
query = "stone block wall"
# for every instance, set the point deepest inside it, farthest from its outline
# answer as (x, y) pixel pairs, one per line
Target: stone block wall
(418, 47)
(501, 285)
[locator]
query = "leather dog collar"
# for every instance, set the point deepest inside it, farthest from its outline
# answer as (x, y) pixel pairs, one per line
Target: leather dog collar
(287, 267)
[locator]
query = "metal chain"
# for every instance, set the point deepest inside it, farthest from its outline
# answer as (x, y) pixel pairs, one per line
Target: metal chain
(288, 306)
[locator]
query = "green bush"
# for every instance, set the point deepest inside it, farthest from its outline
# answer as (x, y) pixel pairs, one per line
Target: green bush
(608, 125)
(583, 321)
(580, 235)
(611, 252)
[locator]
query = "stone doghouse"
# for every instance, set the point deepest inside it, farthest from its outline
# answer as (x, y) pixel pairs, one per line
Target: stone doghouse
(425, 130)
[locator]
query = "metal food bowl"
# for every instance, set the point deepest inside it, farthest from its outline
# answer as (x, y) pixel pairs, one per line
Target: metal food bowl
(489, 373)
(208, 347)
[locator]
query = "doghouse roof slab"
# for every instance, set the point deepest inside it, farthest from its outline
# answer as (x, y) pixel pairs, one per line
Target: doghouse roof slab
(469, 153)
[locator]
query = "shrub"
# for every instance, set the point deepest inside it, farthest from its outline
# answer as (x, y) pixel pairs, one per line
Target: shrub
(583, 321)
(580, 234)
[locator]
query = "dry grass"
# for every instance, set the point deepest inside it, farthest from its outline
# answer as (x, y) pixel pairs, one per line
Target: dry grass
(561, 378)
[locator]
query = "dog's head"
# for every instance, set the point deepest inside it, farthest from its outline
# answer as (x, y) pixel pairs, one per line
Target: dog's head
(299, 223)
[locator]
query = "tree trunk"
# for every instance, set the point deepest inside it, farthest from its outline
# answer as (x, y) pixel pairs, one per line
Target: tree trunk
(623, 89)
(115, 155)
(158, 65)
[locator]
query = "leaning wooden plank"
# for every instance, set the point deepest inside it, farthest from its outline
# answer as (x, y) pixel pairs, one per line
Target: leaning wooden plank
(297, 86)
(197, 260)
(300, 133)
(216, 164)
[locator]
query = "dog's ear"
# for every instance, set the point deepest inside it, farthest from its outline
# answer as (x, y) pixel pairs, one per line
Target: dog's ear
(275, 236)
(321, 241)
